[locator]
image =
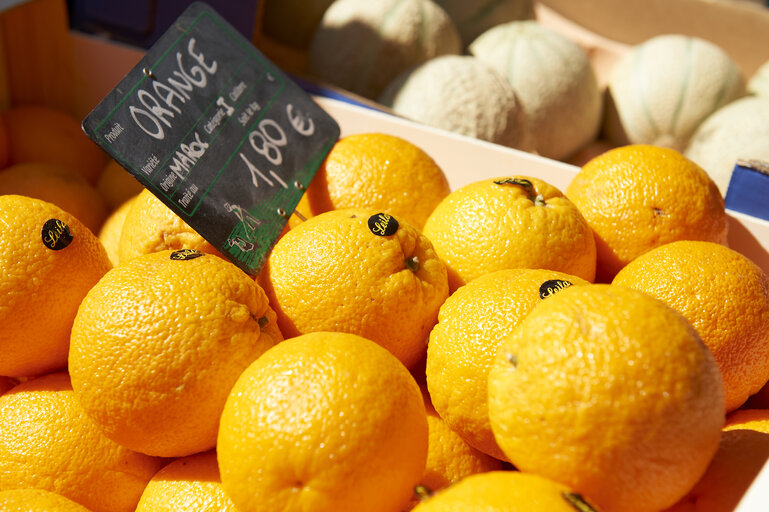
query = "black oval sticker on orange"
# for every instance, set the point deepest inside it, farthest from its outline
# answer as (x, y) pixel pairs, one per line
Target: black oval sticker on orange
(552, 286)
(56, 234)
(382, 224)
(185, 254)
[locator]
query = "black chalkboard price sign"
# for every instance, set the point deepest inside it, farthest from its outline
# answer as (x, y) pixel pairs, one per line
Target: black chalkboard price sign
(217, 132)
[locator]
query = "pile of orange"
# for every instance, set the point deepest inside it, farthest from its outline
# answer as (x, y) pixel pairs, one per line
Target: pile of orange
(504, 346)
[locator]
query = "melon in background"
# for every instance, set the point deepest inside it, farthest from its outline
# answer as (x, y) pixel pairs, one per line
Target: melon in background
(739, 130)
(293, 22)
(552, 78)
(362, 45)
(665, 87)
(759, 82)
(472, 18)
(461, 94)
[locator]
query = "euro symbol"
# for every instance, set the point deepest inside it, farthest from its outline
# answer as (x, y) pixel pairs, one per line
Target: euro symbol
(301, 123)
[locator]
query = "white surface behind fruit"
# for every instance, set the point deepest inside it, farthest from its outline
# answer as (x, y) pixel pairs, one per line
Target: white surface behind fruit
(553, 79)
(463, 95)
(361, 45)
(472, 18)
(759, 82)
(663, 88)
(739, 130)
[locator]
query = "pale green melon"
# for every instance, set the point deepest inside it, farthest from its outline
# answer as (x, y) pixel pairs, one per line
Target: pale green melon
(362, 45)
(740, 130)
(462, 95)
(663, 88)
(474, 17)
(759, 82)
(552, 78)
(293, 22)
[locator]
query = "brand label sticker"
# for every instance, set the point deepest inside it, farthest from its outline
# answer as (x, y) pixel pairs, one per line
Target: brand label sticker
(185, 254)
(217, 132)
(382, 224)
(56, 234)
(552, 286)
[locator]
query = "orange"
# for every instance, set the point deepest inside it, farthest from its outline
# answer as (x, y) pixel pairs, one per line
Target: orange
(724, 295)
(36, 500)
(449, 457)
(109, 234)
(187, 484)
(358, 271)
(750, 419)
(472, 323)
(741, 455)
(48, 442)
(506, 491)
(159, 341)
(151, 226)
(49, 261)
(639, 197)
(323, 422)
(37, 133)
(610, 392)
(380, 172)
(116, 185)
(514, 222)
(68, 191)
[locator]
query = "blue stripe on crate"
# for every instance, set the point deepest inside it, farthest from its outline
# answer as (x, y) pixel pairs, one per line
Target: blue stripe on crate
(318, 90)
(748, 190)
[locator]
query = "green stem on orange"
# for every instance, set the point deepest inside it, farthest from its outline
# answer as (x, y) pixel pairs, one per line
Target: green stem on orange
(412, 263)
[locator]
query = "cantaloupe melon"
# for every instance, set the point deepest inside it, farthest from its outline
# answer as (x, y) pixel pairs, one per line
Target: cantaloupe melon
(459, 93)
(759, 82)
(362, 45)
(739, 130)
(475, 17)
(663, 88)
(553, 79)
(293, 22)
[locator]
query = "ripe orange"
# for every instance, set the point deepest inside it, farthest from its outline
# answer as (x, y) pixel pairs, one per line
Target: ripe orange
(70, 192)
(724, 295)
(506, 491)
(323, 422)
(472, 323)
(741, 455)
(358, 271)
(639, 197)
(610, 392)
(380, 172)
(515, 222)
(37, 133)
(159, 341)
(48, 442)
(449, 457)
(116, 185)
(49, 261)
(187, 484)
(36, 500)
(750, 419)
(150, 226)
(109, 234)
